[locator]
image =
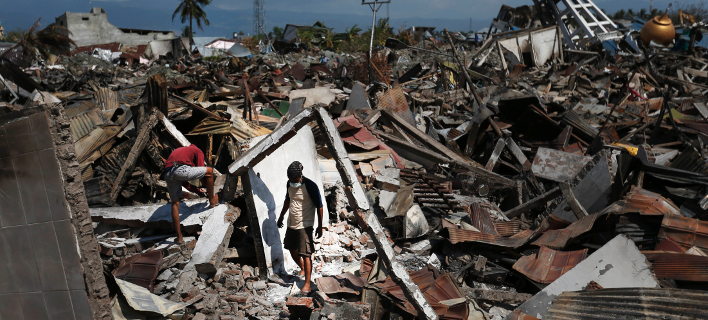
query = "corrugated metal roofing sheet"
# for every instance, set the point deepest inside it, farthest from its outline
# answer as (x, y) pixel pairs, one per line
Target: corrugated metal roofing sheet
(629, 303)
(518, 240)
(679, 266)
(395, 100)
(548, 265)
(508, 228)
(482, 220)
(685, 231)
(558, 239)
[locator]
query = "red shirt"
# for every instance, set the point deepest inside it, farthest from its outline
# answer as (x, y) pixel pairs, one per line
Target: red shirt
(190, 156)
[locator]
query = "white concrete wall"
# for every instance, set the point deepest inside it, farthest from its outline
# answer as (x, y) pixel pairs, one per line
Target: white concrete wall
(268, 183)
(92, 28)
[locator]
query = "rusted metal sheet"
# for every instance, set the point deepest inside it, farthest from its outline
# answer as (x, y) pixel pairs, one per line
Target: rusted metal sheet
(508, 297)
(580, 127)
(548, 265)
(629, 303)
(395, 100)
(685, 231)
(646, 203)
(106, 99)
(558, 239)
(508, 228)
(557, 165)
(482, 220)
(670, 245)
(140, 269)
(331, 285)
(520, 315)
(321, 68)
(459, 236)
(678, 266)
(691, 160)
(354, 133)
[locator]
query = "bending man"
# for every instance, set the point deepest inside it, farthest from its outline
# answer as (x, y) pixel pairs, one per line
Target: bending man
(186, 164)
(303, 199)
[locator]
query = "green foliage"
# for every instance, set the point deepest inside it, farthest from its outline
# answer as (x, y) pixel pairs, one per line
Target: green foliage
(277, 33)
(187, 32)
(14, 35)
(192, 10)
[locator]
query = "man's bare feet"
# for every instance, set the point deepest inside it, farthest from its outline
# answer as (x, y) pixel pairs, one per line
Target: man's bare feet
(306, 288)
(301, 274)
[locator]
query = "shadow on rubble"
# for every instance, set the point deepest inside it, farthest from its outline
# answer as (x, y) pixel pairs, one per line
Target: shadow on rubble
(269, 226)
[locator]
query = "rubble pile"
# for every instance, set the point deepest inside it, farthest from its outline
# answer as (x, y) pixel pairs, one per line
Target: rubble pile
(528, 176)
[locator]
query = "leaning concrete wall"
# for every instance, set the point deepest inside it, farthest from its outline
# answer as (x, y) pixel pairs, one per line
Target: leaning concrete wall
(43, 221)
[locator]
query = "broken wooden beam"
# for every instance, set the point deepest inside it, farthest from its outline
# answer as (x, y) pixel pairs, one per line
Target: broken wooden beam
(495, 155)
(352, 186)
(534, 203)
(215, 236)
(274, 140)
(129, 165)
(397, 271)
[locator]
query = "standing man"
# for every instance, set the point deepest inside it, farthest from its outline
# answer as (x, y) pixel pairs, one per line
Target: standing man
(303, 199)
(186, 164)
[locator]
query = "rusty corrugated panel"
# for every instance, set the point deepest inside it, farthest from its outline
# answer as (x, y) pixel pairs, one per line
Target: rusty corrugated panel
(85, 121)
(548, 265)
(444, 289)
(685, 231)
(140, 269)
(678, 266)
(558, 239)
(508, 228)
(395, 100)
(106, 99)
(670, 245)
(460, 236)
(629, 303)
(647, 203)
(696, 125)
(482, 220)
(331, 285)
(580, 126)
(354, 133)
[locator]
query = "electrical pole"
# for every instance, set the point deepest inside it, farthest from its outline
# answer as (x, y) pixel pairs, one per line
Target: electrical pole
(258, 16)
(375, 5)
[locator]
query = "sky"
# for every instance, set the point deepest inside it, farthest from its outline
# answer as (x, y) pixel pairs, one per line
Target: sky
(228, 16)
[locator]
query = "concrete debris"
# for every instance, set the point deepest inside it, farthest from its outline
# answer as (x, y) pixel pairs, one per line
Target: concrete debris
(496, 174)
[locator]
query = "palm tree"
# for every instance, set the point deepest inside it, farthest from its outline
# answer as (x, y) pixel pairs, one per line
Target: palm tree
(53, 39)
(353, 32)
(643, 13)
(192, 10)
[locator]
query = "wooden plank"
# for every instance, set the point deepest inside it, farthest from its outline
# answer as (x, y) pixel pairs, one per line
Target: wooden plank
(534, 203)
(495, 155)
(572, 201)
(694, 72)
(129, 165)
(253, 223)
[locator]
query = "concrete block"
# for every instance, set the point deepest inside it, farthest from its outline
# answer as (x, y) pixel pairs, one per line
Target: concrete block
(212, 243)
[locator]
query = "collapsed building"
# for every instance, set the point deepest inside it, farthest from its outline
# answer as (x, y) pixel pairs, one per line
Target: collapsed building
(544, 174)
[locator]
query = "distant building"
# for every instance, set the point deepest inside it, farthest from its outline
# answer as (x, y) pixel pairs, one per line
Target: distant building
(93, 28)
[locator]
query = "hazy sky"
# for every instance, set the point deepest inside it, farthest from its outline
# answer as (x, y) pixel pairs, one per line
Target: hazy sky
(227, 16)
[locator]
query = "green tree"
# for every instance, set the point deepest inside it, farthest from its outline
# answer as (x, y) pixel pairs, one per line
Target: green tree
(53, 39)
(353, 32)
(643, 13)
(14, 35)
(382, 32)
(192, 10)
(277, 33)
(630, 12)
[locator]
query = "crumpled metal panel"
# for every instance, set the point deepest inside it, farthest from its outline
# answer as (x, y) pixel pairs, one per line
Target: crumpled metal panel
(395, 100)
(508, 228)
(548, 265)
(354, 133)
(482, 220)
(558, 239)
(679, 266)
(691, 160)
(629, 303)
(459, 236)
(685, 231)
(107, 99)
(331, 285)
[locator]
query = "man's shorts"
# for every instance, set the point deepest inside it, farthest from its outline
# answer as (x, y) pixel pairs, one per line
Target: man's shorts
(174, 176)
(300, 240)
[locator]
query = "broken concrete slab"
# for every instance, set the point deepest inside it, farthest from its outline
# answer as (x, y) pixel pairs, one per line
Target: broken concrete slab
(319, 95)
(266, 189)
(358, 99)
(192, 213)
(618, 264)
(352, 186)
(270, 143)
(556, 165)
(592, 192)
(212, 243)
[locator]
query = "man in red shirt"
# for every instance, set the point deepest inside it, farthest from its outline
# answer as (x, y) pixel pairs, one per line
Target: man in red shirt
(186, 164)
